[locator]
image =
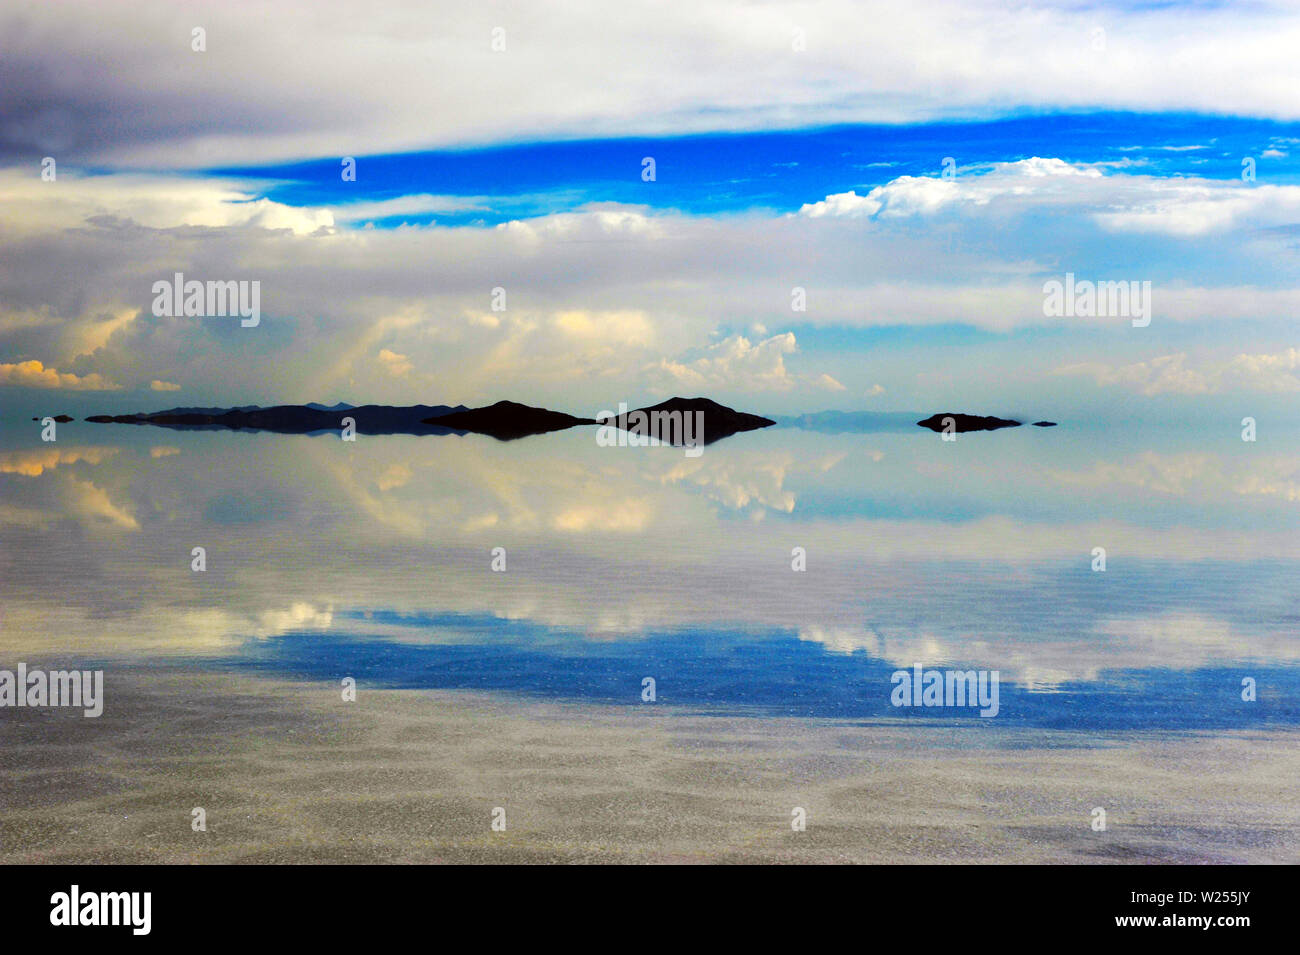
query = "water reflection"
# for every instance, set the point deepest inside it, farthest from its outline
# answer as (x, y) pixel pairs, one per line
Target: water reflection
(374, 558)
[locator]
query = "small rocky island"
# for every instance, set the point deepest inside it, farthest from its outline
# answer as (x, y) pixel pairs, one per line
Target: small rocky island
(962, 423)
(506, 420)
(679, 421)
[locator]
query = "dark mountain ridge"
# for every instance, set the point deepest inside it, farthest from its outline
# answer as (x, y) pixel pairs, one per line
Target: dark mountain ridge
(295, 419)
(962, 423)
(715, 422)
(676, 421)
(507, 420)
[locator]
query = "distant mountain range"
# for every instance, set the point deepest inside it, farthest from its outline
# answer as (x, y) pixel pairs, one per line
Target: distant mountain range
(297, 419)
(505, 420)
(850, 422)
(508, 420)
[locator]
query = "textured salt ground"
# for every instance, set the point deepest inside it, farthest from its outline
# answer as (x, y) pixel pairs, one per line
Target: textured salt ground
(291, 773)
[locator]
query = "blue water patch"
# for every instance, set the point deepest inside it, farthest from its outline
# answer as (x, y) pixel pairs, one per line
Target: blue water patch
(770, 673)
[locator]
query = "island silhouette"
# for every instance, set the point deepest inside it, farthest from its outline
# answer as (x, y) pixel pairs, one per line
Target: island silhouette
(510, 420)
(962, 423)
(296, 419)
(668, 421)
(506, 420)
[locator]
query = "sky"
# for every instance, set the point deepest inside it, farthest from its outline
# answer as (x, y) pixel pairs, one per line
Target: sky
(788, 207)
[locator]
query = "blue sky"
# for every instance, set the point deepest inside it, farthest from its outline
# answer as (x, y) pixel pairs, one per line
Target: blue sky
(777, 171)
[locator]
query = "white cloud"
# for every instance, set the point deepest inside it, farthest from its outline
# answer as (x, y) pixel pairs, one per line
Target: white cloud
(842, 205)
(734, 362)
(923, 195)
(394, 364)
(114, 81)
(33, 374)
(149, 201)
(620, 296)
(1170, 374)
(1181, 207)
(1194, 209)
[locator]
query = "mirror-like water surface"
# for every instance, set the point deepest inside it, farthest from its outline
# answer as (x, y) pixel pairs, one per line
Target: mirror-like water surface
(376, 558)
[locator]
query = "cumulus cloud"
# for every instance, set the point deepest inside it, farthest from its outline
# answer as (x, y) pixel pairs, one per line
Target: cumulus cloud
(1196, 209)
(921, 195)
(132, 201)
(33, 374)
(624, 296)
(735, 362)
(1171, 374)
(394, 364)
(157, 385)
(1140, 204)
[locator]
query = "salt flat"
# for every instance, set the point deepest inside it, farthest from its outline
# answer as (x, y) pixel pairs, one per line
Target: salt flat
(290, 773)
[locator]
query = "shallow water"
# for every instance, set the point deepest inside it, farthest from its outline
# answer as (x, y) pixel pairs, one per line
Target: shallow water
(374, 559)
